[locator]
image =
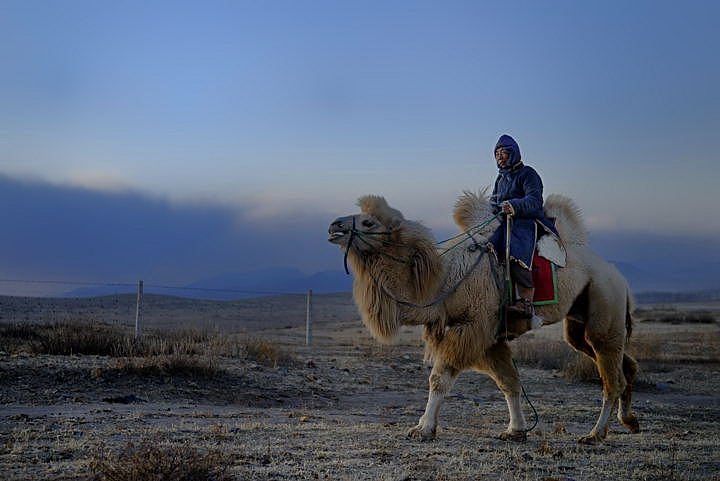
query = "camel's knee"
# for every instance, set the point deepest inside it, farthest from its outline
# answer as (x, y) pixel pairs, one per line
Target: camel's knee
(612, 376)
(442, 379)
(501, 368)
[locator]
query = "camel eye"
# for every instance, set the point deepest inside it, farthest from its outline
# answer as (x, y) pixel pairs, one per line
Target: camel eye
(368, 223)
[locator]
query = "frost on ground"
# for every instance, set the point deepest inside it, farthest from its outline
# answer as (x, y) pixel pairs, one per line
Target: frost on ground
(340, 409)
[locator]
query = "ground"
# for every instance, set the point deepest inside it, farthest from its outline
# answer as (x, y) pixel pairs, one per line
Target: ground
(340, 409)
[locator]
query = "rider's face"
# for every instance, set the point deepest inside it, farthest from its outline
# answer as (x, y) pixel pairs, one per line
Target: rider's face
(502, 157)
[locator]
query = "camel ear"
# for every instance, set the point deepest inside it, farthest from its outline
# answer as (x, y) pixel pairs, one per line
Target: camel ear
(378, 207)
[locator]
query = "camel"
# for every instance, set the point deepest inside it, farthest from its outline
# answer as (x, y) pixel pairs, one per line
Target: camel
(400, 279)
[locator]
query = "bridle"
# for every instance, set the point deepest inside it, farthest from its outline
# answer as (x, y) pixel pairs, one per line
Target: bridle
(475, 246)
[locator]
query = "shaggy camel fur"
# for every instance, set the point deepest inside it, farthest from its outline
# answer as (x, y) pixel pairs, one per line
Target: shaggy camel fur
(392, 257)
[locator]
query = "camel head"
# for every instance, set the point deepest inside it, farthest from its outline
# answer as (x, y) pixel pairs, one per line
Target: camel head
(391, 258)
(376, 222)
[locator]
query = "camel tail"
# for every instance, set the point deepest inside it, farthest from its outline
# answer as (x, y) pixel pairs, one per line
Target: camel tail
(628, 315)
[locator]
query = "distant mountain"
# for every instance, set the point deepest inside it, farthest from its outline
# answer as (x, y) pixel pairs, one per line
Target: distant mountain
(655, 297)
(661, 277)
(656, 277)
(258, 283)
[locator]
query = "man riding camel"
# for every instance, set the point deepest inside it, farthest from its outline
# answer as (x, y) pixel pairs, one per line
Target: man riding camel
(518, 192)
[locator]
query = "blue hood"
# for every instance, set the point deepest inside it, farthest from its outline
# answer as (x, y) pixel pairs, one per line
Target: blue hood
(509, 144)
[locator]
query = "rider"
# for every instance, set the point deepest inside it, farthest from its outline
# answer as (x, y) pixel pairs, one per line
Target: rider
(518, 192)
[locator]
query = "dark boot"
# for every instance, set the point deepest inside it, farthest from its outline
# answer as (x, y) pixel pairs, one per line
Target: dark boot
(523, 307)
(514, 327)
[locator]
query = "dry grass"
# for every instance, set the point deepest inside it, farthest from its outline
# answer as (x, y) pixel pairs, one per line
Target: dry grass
(102, 339)
(165, 347)
(645, 348)
(264, 352)
(555, 355)
(61, 338)
(147, 461)
(542, 354)
(169, 365)
(675, 316)
(581, 368)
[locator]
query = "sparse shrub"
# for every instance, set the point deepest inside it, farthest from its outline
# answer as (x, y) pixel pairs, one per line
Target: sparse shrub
(542, 354)
(675, 316)
(169, 365)
(75, 338)
(60, 338)
(21, 331)
(181, 351)
(645, 348)
(95, 338)
(580, 368)
(148, 461)
(263, 352)
(554, 355)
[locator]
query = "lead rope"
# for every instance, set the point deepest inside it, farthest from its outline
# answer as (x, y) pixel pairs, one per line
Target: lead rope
(506, 302)
(347, 249)
(535, 414)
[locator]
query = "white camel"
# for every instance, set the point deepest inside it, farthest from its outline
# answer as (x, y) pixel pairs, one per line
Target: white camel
(397, 267)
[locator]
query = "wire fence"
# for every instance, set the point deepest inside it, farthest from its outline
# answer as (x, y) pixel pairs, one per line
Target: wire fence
(292, 314)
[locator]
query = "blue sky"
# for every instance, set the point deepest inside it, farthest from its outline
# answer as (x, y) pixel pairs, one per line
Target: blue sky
(276, 109)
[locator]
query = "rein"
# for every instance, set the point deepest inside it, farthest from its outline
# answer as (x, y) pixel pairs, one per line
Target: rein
(360, 234)
(442, 296)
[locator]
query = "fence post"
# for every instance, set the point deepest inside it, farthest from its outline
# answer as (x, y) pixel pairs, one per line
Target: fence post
(138, 309)
(308, 319)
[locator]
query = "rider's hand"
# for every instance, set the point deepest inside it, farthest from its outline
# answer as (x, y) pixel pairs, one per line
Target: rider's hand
(507, 208)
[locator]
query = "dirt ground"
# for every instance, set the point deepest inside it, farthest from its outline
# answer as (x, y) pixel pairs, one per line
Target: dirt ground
(340, 409)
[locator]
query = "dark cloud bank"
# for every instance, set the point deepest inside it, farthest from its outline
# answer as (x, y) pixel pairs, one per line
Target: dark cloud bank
(52, 232)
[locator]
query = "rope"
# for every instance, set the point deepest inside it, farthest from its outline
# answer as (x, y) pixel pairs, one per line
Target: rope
(470, 229)
(535, 414)
(441, 298)
(527, 398)
(382, 253)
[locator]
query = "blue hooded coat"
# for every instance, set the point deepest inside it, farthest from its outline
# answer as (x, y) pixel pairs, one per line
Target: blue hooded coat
(522, 187)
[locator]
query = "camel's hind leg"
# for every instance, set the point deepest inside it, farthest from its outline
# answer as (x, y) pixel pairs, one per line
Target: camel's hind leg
(625, 414)
(609, 364)
(442, 378)
(500, 367)
(612, 377)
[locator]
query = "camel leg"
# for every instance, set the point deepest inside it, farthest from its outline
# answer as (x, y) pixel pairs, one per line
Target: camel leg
(625, 414)
(501, 368)
(442, 378)
(575, 336)
(609, 366)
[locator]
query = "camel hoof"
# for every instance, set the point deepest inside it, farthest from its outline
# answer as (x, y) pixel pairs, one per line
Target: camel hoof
(517, 436)
(421, 434)
(631, 423)
(590, 439)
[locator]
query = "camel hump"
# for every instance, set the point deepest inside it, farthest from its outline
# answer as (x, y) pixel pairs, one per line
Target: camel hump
(471, 209)
(568, 219)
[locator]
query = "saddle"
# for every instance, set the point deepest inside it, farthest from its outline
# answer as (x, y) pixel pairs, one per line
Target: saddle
(549, 254)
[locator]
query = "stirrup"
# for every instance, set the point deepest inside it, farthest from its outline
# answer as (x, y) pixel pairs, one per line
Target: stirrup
(523, 308)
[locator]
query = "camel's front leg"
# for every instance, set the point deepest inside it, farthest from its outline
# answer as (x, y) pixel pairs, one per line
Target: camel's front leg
(503, 371)
(442, 379)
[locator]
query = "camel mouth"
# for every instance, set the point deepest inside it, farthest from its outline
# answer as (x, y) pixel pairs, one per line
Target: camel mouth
(336, 237)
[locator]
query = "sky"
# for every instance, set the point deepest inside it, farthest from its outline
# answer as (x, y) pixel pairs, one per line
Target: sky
(272, 113)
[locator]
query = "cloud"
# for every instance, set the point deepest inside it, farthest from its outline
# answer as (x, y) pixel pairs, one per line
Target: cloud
(99, 180)
(73, 233)
(53, 232)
